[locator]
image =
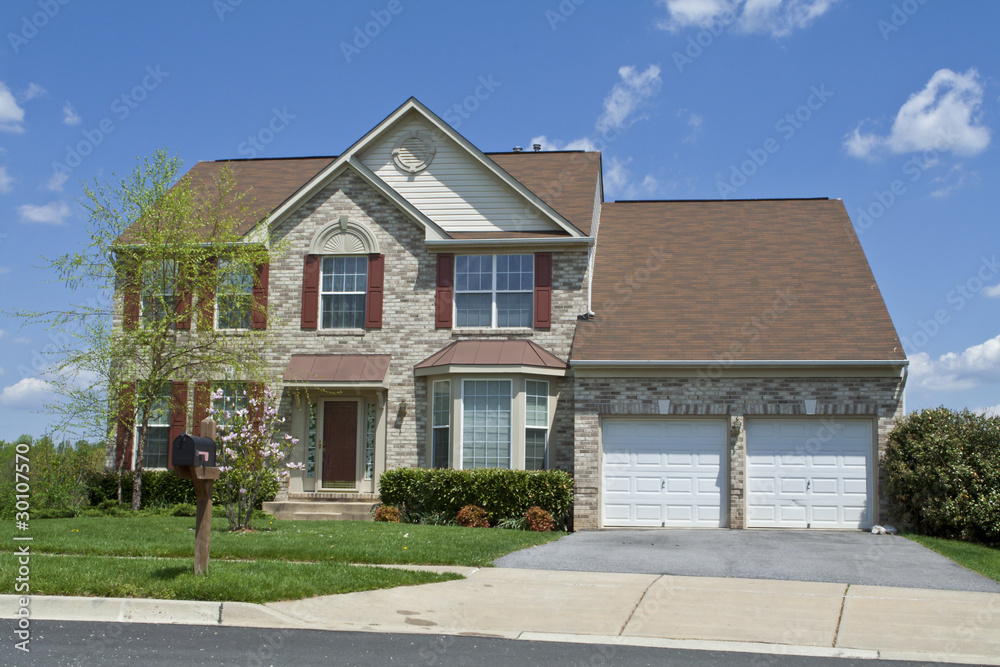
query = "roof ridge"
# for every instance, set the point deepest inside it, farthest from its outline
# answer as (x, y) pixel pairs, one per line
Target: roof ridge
(715, 201)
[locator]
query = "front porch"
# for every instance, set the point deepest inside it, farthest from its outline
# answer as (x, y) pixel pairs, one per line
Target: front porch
(324, 506)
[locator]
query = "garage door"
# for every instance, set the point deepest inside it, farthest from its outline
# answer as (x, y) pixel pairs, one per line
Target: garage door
(663, 472)
(809, 473)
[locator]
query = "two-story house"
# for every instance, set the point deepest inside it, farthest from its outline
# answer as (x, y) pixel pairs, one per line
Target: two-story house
(722, 363)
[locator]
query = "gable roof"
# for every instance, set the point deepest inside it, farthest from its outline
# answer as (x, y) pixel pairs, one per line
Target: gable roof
(762, 280)
(565, 180)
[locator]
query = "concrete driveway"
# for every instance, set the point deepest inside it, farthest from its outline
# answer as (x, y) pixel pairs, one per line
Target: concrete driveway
(796, 555)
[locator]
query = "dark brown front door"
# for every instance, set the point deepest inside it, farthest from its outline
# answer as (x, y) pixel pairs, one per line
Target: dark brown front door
(340, 441)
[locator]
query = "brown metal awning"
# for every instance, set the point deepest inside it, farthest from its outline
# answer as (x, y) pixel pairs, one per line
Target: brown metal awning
(337, 369)
(492, 356)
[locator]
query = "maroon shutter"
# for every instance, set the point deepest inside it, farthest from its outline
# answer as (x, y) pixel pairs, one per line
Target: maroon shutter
(255, 394)
(206, 295)
(376, 280)
(543, 290)
(258, 316)
(178, 414)
(126, 426)
(202, 399)
(130, 293)
(310, 292)
(182, 304)
(443, 297)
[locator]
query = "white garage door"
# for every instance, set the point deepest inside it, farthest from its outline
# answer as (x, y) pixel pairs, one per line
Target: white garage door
(663, 472)
(809, 473)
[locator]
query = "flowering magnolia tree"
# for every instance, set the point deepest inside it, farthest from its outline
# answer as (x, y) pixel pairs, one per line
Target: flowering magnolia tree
(250, 451)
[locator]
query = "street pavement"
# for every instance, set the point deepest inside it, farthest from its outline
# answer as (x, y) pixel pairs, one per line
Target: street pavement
(850, 557)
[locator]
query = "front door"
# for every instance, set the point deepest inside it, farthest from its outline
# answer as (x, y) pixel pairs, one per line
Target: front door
(340, 443)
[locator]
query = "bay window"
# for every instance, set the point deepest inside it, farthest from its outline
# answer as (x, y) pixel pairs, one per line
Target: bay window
(536, 424)
(486, 427)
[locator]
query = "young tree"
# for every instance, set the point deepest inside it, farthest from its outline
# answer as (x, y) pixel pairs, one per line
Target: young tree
(164, 254)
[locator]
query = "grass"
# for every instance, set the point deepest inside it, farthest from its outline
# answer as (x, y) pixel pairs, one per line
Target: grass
(338, 541)
(976, 557)
(152, 557)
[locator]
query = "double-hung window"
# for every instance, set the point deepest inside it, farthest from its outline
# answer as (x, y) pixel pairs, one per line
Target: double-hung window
(235, 297)
(494, 290)
(441, 423)
(486, 423)
(536, 424)
(158, 431)
(343, 289)
(234, 397)
(158, 294)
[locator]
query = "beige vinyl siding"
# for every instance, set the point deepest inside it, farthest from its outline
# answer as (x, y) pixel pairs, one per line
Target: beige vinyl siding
(455, 191)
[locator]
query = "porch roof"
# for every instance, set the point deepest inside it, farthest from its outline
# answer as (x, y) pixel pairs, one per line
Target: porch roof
(329, 369)
(487, 354)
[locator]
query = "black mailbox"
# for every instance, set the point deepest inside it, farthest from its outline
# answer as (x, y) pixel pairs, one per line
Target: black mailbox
(191, 450)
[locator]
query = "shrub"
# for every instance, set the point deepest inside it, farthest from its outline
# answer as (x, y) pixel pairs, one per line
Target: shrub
(388, 513)
(943, 474)
(184, 509)
(538, 520)
(160, 488)
(56, 473)
(505, 494)
(473, 516)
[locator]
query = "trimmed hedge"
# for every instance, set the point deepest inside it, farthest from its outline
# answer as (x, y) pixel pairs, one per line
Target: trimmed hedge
(943, 474)
(505, 494)
(160, 488)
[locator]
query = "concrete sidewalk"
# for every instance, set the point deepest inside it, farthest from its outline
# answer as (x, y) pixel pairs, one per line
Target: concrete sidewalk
(746, 615)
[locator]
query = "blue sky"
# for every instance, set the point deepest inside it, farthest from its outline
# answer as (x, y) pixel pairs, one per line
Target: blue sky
(890, 106)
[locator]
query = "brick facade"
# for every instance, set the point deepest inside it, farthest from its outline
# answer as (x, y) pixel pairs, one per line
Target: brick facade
(734, 398)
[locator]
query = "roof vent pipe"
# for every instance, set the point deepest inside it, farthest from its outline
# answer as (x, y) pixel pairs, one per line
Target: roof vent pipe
(537, 147)
(518, 149)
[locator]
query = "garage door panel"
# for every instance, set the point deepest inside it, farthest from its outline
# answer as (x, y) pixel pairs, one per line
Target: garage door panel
(811, 471)
(677, 461)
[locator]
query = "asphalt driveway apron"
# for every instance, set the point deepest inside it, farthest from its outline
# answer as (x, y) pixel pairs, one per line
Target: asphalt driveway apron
(849, 557)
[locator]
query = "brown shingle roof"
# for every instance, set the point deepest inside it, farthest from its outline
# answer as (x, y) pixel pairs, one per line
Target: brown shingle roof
(493, 353)
(336, 368)
(745, 280)
(565, 180)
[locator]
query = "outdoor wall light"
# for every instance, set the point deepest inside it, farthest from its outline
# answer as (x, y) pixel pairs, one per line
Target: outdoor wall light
(402, 410)
(737, 427)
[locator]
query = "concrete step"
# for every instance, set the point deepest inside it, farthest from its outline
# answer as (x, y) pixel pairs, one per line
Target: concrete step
(320, 510)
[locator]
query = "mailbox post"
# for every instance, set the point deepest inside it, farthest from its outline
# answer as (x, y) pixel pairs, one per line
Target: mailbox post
(194, 458)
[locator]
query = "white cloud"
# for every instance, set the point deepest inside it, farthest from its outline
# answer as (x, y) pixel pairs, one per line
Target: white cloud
(956, 179)
(993, 291)
(618, 181)
(23, 340)
(11, 115)
(777, 18)
(694, 123)
(944, 116)
(4, 270)
(70, 116)
(27, 393)
(6, 181)
(31, 92)
(56, 181)
(2, 332)
(972, 367)
(628, 95)
(53, 213)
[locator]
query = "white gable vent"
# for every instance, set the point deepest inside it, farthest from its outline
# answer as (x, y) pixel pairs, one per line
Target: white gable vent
(414, 151)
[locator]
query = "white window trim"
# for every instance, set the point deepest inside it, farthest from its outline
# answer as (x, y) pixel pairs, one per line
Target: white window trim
(159, 294)
(168, 395)
(447, 426)
(251, 305)
(321, 294)
(460, 439)
(548, 419)
(494, 313)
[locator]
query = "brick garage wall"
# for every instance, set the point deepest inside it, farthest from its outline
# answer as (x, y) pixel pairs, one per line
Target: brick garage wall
(733, 398)
(408, 332)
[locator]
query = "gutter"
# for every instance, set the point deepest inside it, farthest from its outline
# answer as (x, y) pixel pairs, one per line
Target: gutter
(683, 363)
(531, 242)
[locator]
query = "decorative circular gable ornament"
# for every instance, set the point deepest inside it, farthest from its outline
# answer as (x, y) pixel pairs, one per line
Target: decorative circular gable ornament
(414, 151)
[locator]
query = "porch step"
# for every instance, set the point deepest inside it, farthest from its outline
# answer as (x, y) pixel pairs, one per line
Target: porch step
(320, 510)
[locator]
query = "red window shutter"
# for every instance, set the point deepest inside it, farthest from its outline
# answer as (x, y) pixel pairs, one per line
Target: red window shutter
(376, 281)
(206, 295)
(255, 392)
(310, 292)
(178, 414)
(445, 285)
(258, 317)
(126, 426)
(543, 290)
(202, 399)
(130, 293)
(182, 305)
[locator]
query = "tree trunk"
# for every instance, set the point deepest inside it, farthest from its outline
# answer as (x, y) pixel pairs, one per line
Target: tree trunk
(137, 474)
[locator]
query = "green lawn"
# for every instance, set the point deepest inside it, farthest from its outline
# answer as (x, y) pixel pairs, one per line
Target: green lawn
(976, 557)
(153, 556)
